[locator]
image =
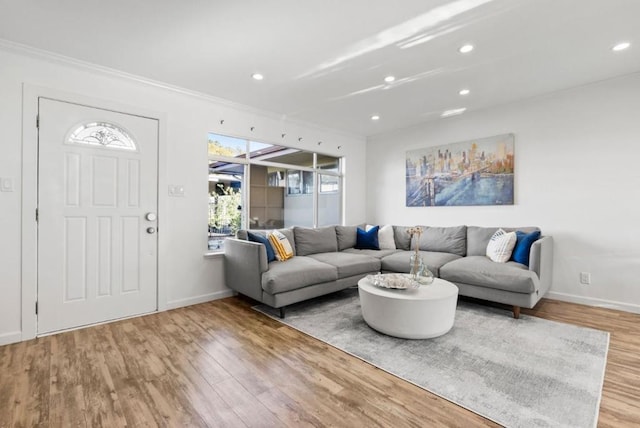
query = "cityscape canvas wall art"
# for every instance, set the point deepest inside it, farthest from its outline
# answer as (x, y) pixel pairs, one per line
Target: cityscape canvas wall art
(474, 172)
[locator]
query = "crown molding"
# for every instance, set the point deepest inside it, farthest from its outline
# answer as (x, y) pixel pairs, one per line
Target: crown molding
(56, 58)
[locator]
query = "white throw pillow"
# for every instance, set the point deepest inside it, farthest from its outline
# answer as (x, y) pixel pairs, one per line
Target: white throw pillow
(386, 241)
(501, 246)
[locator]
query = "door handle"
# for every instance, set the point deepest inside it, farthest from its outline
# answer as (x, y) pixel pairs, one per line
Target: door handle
(150, 216)
(151, 230)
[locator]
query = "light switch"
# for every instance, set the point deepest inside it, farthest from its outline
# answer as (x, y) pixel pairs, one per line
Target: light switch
(176, 190)
(6, 184)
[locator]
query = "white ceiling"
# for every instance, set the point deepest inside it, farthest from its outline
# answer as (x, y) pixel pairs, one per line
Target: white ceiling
(324, 61)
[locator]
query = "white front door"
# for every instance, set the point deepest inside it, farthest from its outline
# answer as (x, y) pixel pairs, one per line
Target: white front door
(97, 204)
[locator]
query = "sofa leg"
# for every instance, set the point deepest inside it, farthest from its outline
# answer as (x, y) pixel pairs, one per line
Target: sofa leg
(282, 312)
(516, 312)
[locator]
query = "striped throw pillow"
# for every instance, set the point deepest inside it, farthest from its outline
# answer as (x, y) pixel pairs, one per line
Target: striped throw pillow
(501, 246)
(281, 245)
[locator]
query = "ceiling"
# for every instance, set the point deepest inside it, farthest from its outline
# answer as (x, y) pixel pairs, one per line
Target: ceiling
(324, 61)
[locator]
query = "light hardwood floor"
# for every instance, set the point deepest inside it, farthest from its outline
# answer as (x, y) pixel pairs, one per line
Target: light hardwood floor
(223, 364)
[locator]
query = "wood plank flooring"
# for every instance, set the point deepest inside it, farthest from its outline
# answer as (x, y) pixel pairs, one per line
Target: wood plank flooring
(222, 364)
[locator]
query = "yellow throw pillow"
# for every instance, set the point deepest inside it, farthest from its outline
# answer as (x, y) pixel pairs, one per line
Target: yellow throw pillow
(281, 245)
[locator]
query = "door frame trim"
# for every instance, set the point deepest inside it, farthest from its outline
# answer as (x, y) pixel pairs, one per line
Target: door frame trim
(29, 240)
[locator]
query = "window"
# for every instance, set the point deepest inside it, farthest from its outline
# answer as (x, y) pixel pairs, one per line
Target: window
(299, 182)
(329, 183)
(255, 185)
(225, 201)
(219, 145)
(329, 198)
(266, 200)
(102, 134)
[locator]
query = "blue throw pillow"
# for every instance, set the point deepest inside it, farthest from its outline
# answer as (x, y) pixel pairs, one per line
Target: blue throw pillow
(367, 240)
(523, 246)
(271, 255)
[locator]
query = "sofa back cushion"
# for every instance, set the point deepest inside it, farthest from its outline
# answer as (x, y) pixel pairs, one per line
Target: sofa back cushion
(402, 238)
(478, 237)
(313, 241)
(346, 236)
(451, 240)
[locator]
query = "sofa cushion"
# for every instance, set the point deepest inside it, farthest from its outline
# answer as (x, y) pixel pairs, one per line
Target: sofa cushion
(296, 273)
(402, 238)
(482, 272)
(444, 239)
(346, 237)
(399, 261)
(318, 240)
(349, 264)
(378, 254)
(478, 237)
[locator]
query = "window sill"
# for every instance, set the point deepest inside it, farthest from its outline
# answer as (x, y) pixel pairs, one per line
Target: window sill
(213, 255)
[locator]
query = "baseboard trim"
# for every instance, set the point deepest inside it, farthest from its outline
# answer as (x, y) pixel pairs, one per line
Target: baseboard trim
(592, 301)
(199, 299)
(11, 337)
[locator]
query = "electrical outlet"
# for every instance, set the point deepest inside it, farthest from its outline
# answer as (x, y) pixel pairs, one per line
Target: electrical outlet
(585, 278)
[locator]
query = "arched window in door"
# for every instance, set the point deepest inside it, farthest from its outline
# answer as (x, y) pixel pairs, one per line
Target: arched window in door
(102, 134)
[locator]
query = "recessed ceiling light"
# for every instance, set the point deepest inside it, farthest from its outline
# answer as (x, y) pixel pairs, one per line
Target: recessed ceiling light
(621, 46)
(453, 112)
(466, 48)
(464, 92)
(257, 76)
(375, 117)
(389, 79)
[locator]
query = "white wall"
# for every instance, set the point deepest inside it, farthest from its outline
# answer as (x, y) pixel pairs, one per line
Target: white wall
(577, 177)
(189, 277)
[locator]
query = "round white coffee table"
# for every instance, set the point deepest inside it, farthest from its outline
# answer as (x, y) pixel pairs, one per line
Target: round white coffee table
(421, 313)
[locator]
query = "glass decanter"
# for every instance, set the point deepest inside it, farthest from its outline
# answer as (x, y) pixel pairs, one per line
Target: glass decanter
(419, 272)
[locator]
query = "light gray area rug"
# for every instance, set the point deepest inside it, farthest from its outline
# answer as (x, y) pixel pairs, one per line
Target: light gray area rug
(528, 372)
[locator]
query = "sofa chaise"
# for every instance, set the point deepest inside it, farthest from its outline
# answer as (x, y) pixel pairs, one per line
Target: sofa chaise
(326, 260)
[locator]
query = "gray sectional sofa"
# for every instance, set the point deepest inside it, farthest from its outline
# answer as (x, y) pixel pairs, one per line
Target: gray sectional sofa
(326, 261)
